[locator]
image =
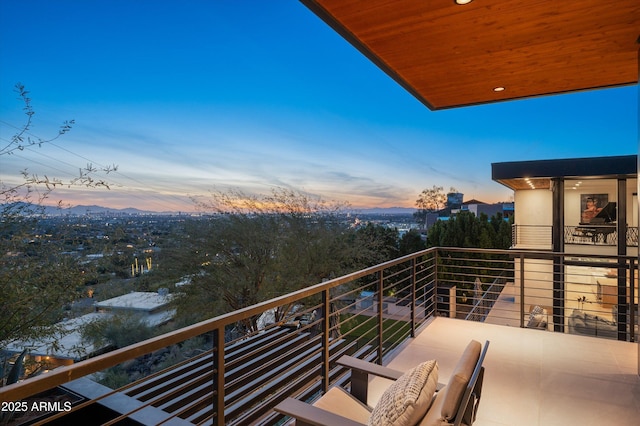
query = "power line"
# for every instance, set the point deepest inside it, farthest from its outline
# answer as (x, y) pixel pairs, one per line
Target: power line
(117, 172)
(162, 201)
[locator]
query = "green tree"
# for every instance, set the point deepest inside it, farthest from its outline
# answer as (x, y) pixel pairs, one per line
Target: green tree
(116, 331)
(38, 278)
(430, 200)
(251, 245)
(375, 244)
(36, 284)
(254, 248)
(411, 242)
(467, 230)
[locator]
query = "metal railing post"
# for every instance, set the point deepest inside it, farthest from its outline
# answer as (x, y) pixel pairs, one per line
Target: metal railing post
(434, 297)
(624, 304)
(632, 299)
(326, 327)
(521, 290)
(380, 307)
(413, 297)
(218, 376)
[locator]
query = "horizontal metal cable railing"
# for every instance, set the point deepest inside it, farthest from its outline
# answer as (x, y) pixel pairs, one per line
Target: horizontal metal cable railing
(484, 300)
(233, 369)
(540, 236)
(594, 295)
(532, 236)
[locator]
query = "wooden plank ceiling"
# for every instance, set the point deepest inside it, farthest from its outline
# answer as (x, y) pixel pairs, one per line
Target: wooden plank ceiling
(450, 55)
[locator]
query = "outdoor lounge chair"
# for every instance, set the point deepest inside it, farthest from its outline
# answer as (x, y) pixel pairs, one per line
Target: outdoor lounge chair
(454, 404)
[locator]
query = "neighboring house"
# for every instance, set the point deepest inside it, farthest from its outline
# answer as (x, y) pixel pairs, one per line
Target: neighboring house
(478, 207)
(64, 347)
(67, 346)
(455, 205)
(154, 308)
(584, 207)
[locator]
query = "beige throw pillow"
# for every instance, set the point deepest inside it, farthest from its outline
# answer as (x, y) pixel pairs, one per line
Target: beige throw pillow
(407, 400)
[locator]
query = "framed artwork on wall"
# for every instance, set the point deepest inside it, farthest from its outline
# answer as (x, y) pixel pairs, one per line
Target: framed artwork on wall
(591, 205)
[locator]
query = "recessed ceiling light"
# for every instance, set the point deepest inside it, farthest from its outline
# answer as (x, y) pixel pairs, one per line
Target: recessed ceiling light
(498, 89)
(463, 1)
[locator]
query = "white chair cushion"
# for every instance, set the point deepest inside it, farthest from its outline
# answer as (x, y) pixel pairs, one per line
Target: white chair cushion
(340, 402)
(407, 400)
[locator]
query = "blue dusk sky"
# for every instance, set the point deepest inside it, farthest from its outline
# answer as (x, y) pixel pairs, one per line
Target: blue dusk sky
(188, 97)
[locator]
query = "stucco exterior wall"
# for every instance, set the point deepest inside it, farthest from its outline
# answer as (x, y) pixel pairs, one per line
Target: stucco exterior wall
(533, 207)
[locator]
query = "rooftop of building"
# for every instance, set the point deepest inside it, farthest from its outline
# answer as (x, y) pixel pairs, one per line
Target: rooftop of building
(136, 301)
(522, 174)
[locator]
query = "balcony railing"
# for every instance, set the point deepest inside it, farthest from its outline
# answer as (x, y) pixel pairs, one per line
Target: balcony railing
(532, 236)
(541, 236)
(605, 235)
(233, 369)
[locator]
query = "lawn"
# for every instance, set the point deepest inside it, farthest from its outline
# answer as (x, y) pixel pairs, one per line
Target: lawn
(366, 328)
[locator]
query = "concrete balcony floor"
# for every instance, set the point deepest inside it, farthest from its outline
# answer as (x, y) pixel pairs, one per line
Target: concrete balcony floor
(534, 377)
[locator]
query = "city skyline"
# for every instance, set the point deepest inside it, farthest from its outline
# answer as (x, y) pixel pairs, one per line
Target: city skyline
(192, 97)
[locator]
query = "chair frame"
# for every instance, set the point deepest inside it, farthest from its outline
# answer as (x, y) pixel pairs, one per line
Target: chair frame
(309, 415)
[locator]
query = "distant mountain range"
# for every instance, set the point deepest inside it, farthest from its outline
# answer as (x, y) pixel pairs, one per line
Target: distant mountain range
(100, 210)
(386, 210)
